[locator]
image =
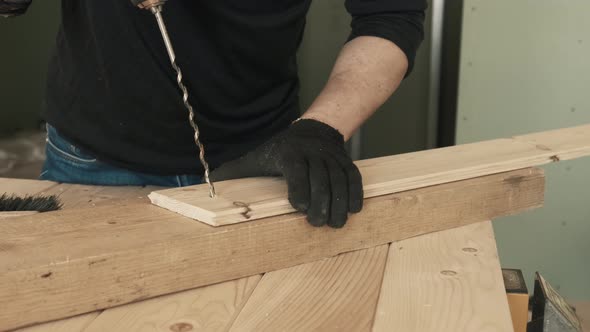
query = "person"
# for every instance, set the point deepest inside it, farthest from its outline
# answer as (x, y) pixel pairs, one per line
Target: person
(116, 117)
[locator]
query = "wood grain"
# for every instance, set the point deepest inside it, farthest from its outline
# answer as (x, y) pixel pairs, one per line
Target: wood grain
(249, 199)
(13, 214)
(73, 324)
(74, 196)
(445, 281)
(335, 294)
(211, 308)
(21, 187)
(59, 264)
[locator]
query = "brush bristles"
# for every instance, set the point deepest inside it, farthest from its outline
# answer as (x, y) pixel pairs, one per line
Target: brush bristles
(29, 203)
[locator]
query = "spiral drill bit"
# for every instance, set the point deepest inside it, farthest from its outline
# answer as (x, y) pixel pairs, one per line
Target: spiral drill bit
(155, 6)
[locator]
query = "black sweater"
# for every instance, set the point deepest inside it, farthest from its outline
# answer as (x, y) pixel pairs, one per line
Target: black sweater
(111, 89)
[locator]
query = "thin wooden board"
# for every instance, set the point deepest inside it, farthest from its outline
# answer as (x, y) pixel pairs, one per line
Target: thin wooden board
(59, 264)
(249, 199)
(449, 281)
(211, 308)
(335, 294)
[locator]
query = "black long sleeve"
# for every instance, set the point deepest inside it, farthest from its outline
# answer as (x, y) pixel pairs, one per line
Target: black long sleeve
(400, 21)
(110, 75)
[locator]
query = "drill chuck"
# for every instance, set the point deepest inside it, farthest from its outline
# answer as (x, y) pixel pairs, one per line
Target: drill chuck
(148, 4)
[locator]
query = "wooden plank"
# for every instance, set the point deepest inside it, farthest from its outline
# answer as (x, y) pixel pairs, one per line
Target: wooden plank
(445, 281)
(335, 294)
(77, 196)
(21, 187)
(211, 308)
(84, 196)
(73, 324)
(13, 214)
(63, 263)
(248, 199)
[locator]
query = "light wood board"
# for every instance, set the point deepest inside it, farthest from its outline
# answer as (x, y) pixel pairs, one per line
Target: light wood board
(335, 294)
(21, 187)
(72, 196)
(60, 264)
(211, 308)
(13, 214)
(444, 282)
(253, 198)
(73, 324)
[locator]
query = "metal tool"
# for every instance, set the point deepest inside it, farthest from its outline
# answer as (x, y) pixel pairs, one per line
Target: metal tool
(155, 6)
(551, 313)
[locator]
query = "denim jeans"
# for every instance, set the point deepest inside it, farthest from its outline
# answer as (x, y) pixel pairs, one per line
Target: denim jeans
(68, 163)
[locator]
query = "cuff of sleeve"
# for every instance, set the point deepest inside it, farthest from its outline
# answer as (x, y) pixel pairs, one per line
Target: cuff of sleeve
(404, 30)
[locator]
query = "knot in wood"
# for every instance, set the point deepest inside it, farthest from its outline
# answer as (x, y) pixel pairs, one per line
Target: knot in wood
(181, 327)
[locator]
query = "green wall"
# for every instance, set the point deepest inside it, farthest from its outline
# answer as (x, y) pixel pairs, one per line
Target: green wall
(26, 44)
(525, 66)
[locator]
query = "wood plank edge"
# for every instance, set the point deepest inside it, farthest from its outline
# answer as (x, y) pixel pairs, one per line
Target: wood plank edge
(14, 214)
(187, 210)
(380, 223)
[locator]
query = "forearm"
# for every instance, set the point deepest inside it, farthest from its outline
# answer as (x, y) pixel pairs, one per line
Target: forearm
(367, 72)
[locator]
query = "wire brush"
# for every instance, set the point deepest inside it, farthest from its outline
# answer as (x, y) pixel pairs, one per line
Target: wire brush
(41, 203)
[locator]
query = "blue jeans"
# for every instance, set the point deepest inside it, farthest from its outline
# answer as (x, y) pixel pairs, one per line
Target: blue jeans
(68, 163)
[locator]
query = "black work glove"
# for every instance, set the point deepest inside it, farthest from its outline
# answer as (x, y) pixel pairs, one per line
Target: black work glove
(13, 7)
(323, 182)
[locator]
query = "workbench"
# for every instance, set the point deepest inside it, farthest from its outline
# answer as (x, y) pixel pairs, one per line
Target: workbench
(443, 281)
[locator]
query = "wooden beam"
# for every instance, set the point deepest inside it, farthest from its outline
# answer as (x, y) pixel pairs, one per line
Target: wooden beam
(22, 187)
(14, 214)
(209, 308)
(449, 281)
(59, 264)
(249, 199)
(72, 196)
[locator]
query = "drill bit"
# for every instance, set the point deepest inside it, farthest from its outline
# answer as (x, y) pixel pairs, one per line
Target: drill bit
(155, 6)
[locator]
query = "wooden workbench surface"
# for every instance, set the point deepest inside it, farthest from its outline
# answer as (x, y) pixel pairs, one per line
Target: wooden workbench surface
(445, 281)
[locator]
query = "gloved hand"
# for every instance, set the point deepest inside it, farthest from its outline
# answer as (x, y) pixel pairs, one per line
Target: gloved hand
(13, 7)
(323, 182)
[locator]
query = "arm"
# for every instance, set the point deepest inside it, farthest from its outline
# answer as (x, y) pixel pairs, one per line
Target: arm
(322, 180)
(367, 71)
(380, 53)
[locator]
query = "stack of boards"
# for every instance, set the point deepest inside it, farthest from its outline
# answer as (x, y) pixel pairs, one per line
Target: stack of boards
(79, 261)
(255, 198)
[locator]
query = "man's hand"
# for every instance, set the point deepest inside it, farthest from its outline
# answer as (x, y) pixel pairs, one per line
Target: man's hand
(323, 181)
(13, 7)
